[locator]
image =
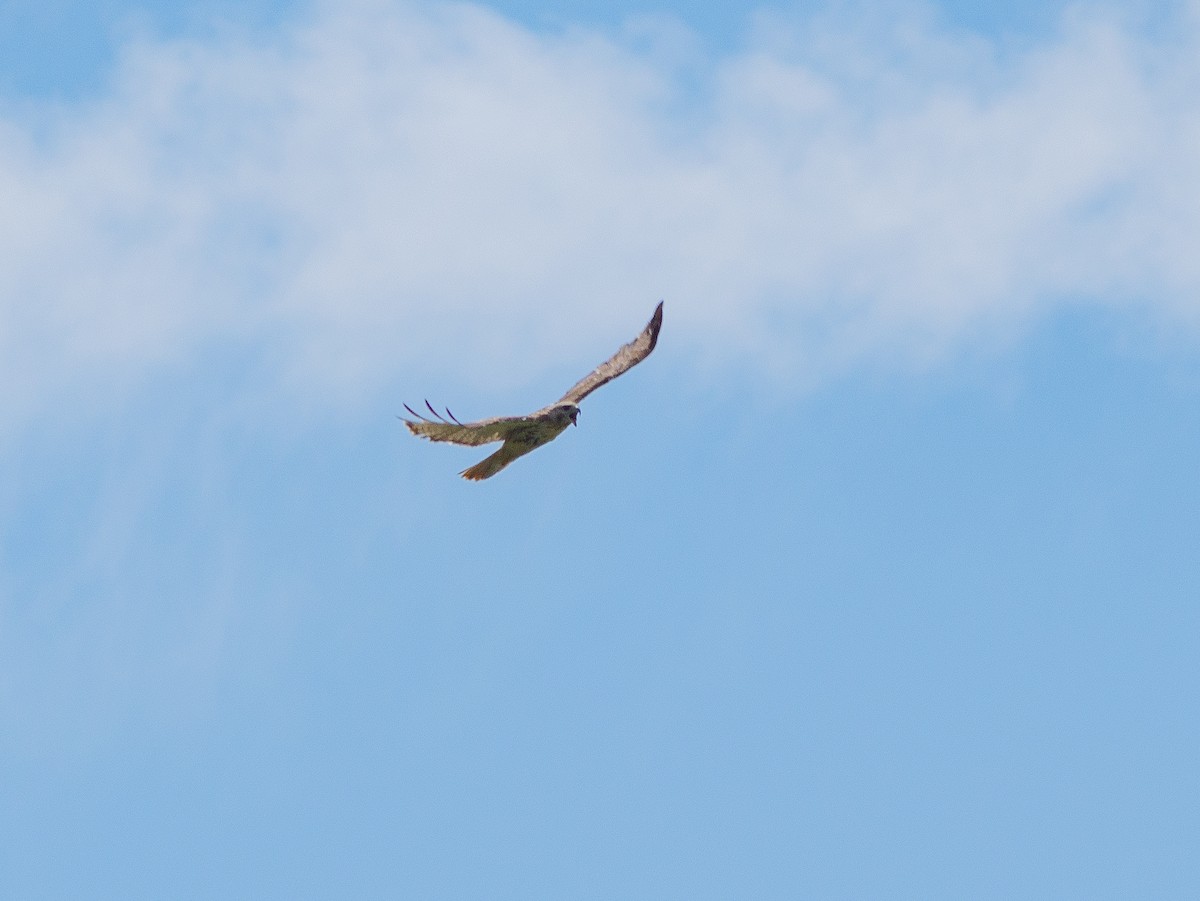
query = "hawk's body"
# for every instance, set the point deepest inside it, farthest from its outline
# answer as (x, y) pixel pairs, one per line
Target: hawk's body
(521, 434)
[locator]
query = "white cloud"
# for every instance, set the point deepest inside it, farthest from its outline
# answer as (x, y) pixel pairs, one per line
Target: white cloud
(416, 189)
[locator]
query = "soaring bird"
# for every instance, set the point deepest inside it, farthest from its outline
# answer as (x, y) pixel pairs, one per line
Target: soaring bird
(521, 434)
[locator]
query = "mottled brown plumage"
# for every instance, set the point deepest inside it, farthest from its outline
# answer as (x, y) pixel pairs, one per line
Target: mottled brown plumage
(521, 434)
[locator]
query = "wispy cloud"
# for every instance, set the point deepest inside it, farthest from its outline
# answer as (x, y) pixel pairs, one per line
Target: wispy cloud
(384, 188)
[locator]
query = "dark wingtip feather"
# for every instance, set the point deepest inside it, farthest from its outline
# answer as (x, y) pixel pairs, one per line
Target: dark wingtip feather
(432, 410)
(654, 325)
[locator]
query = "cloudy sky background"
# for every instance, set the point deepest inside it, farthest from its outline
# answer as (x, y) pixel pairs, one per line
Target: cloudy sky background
(878, 578)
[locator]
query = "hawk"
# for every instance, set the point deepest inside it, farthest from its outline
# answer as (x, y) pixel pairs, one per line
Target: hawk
(521, 434)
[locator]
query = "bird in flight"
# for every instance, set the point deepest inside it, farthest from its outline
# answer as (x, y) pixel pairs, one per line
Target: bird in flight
(521, 434)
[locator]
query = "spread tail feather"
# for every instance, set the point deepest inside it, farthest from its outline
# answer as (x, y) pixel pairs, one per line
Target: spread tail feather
(489, 466)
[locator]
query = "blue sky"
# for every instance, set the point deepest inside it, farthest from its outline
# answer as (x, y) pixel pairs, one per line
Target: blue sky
(878, 579)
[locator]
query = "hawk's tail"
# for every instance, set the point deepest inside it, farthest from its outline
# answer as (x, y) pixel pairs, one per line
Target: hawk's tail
(488, 467)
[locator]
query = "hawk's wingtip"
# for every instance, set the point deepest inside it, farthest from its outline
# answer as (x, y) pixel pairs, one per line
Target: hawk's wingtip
(654, 325)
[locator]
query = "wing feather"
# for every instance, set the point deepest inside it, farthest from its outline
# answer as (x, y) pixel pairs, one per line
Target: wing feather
(621, 362)
(485, 431)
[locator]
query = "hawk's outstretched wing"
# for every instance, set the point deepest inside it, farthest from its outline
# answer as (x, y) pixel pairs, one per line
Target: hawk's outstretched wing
(485, 431)
(620, 362)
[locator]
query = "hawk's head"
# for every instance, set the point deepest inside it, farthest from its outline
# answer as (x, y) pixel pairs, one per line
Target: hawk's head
(565, 413)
